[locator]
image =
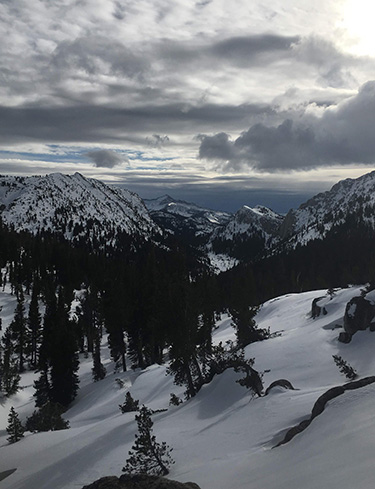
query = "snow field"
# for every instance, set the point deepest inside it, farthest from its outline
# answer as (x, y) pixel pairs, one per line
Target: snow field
(222, 438)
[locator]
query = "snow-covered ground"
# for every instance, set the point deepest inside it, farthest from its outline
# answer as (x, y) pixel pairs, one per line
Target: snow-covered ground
(222, 438)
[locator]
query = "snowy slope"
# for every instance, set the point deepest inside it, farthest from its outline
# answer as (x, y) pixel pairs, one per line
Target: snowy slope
(221, 438)
(74, 206)
(257, 221)
(315, 218)
(178, 216)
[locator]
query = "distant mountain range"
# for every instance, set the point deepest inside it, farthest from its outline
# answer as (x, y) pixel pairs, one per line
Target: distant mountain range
(80, 208)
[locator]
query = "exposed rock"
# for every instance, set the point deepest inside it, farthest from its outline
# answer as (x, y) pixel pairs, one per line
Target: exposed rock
(316, 310)
(321, 403)
(345, 337)
(139, 481)
(359, 313)
(282, 383)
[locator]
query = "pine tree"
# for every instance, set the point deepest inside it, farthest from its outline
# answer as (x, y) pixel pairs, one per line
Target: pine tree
(15, 429)
(148, 456)
(9, 376)
(47, 418)
(129, 405)
(18, 328)
(64, 357)
(34, 326)
(98, 369)
(246, 327)
(345, 368)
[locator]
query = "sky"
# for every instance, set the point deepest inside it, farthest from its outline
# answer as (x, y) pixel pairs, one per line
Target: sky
(216, 102)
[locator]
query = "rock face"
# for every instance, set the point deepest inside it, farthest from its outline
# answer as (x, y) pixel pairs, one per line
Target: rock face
(359, 314)
(316, 310)
(139, 481)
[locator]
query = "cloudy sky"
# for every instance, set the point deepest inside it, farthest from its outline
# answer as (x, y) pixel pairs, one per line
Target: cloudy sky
(222, 103)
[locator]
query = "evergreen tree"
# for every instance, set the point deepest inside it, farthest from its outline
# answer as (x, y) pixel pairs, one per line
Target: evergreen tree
(9, 376)
(98, 369)
(42, 387)
(345, 368)
(148, 456)
(18, 328)
(64, 361)
(15, 429)
(246, 327)
(47, 418)
(129, 405)
(34, 326)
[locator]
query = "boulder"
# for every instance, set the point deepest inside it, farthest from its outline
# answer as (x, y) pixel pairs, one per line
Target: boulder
(359, 313)
(316, 310)
(284, 383)
(139, 481)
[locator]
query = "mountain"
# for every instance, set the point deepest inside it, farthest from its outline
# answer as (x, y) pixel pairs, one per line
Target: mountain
(248, 233)
(185, 219)
(350, 202)
(75, 207)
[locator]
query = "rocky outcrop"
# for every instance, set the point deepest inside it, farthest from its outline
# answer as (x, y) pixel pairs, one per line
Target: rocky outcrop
(317, 310)
(139, 481)
(320, 405)
(284, 383)
(359, 314)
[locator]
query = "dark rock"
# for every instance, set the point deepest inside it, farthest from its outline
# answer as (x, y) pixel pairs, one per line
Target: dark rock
(321, 403)
(345, 337)
(111, 482)
(324, 398)
(315, 309)
(282, 383)
(139, 481)
(359, 313)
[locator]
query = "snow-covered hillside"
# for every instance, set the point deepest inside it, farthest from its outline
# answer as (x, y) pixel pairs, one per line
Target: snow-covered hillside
(222, 438)
(258, 221)
(180, 217)
(73, 206)
(315, 218)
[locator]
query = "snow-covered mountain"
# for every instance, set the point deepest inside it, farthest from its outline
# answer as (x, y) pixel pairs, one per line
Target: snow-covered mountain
(185, 218)
(248, 233)
(74, 207)
(222, 438)
(349, 201)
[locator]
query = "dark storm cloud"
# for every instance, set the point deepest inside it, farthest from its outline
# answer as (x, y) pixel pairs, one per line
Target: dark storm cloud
(250, 46)
(87, 123)
(341, 136)
(240, 51)
(106, 158)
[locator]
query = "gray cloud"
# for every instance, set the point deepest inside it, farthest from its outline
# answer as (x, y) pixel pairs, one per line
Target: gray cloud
(105, 158)
(341, 136)
(91, 123)
(157, 141)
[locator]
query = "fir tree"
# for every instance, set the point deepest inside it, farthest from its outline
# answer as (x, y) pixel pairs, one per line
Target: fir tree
(9, 376)
(246, 327)
(34, 326)
(18, 328)
(64, 357)
(98, 369)
(147, 456)
(15, 429)
(129, 405)
(345, 368)
(47, 418)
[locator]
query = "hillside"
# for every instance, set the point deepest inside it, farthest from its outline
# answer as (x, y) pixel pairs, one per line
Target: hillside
(74, 207)
(222, 438)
